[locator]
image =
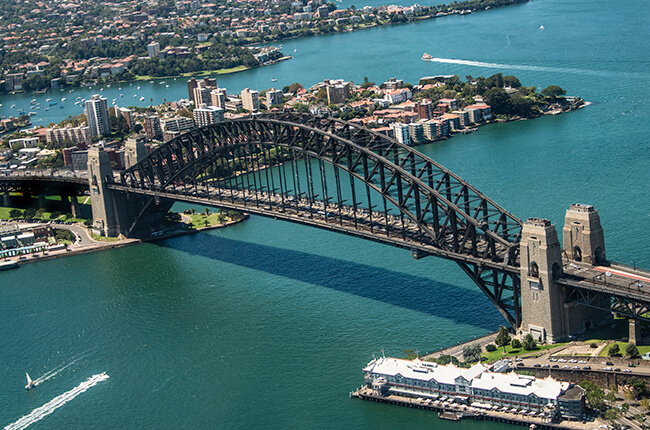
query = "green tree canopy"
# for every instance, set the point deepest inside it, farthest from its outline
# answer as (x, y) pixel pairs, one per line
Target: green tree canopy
(631, 350)
(472, 353)
(503, 338)
(614, 350)
(529, 342)
(553, 93)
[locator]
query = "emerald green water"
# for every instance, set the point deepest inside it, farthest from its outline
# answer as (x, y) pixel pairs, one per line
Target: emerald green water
(267, 324)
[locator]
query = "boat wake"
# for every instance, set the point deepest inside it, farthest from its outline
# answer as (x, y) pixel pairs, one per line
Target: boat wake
(52, 373)
(54, 404)
(601, 73)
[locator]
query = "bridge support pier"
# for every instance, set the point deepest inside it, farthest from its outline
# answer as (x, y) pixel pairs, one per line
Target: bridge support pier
(541, 299)
(583, 236)
(546, 314)
(584, 241)
(100, 171)
(74, 206)
(134, 151)
(6, 200)
(635, 331)
(41, 201)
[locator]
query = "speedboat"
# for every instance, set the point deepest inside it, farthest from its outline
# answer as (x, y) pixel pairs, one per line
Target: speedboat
(30, 383)
(141, 98)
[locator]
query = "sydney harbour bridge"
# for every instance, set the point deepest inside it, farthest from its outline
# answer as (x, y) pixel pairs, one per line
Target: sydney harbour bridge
(339, 176)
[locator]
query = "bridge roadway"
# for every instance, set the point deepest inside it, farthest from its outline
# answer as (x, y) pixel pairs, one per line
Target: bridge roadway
(371, 225)
(627, 289)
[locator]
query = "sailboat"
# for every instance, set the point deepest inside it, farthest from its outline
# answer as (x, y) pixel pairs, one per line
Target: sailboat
(30, 383)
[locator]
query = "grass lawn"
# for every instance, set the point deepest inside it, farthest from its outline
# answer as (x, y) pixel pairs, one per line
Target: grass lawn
(195, 74)
(622, 345)
(47, 216)
(512, 352)
(199, 219)
(103, 238)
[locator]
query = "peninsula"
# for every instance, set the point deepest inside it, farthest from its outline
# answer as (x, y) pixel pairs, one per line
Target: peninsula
(50, 46)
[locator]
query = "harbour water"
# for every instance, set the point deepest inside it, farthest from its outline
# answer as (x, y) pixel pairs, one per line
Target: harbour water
(267, 324)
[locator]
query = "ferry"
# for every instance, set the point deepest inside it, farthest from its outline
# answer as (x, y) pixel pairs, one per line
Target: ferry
(426, 56)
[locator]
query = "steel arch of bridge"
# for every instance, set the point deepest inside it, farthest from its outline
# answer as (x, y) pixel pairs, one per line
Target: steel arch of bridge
(255, 164)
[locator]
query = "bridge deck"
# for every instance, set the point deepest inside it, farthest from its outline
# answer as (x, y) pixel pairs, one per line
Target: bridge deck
(613, 280)
(346, 219)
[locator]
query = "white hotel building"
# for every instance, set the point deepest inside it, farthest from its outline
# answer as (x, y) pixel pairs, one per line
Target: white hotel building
(476, 385)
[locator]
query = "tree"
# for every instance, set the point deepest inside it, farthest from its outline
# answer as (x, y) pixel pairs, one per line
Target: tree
(644, 403)
(472, 352)
(631, 350)
(611, 414)
(503, 338)
(15, 213)
(411, 354)
(294, 87)
(614, 350)
(498, 100)
(511, 81)
(516, 344)
(490, 347)
(625, 407)
(594, 394)
(529, 342)
(553, 93)
(29, 214)
(639, 386)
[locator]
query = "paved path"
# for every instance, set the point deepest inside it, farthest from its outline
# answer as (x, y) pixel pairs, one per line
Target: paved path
(457, 350)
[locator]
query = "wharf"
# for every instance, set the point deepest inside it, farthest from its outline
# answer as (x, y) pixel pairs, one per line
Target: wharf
(465, 411)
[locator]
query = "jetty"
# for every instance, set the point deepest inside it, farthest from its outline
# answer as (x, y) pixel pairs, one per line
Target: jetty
(447, 409)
